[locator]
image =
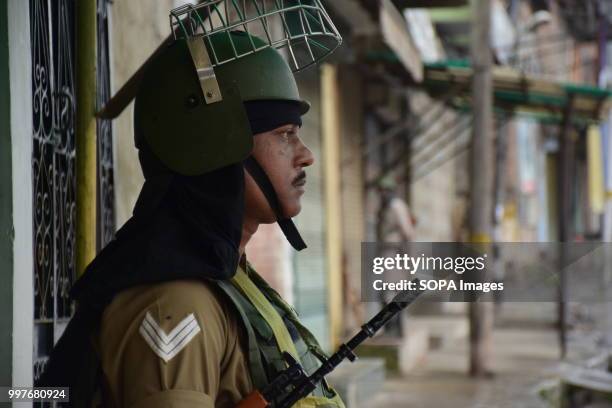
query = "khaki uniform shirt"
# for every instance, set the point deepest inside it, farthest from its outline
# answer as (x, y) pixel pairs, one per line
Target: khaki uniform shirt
(174, 344)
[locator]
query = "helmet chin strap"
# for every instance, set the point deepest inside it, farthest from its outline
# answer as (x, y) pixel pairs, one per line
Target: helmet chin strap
(264, 183)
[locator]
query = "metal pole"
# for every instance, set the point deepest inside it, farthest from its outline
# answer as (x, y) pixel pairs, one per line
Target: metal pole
(481, 181)
(330, 104)
(565, 223)
(86, 169)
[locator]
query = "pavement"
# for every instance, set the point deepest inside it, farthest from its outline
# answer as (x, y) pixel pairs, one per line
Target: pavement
(525, 354)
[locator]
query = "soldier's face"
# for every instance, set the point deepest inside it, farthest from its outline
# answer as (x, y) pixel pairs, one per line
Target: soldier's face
(283, 156)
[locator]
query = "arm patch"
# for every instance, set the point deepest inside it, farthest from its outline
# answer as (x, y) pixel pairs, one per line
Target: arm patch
(168, 345)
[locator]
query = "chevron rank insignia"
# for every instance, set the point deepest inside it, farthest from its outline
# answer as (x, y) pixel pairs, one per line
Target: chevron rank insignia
(168, 345)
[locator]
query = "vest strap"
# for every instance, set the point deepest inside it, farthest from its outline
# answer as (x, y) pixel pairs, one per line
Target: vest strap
(265, 309)
(258, 373)
(308, 349)
(259, 305)
(307, 336)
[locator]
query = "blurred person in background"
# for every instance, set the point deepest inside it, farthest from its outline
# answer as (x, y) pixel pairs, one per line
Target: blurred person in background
(395, 224)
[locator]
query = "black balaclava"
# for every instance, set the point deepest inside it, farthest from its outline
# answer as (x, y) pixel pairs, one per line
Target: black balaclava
(266, 115)
(182, 228)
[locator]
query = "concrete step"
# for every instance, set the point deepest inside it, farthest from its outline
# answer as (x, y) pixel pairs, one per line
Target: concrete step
(534, 314)
(358, 382)
(400, 354)
(442, 330)
(420, 335)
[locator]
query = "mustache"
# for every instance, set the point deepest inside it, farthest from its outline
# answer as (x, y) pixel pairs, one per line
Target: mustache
(299, 178)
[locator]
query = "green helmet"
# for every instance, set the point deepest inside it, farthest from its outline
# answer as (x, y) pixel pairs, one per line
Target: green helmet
(191, 136)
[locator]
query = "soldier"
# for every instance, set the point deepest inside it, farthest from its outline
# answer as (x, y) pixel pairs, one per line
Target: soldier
(170, 313)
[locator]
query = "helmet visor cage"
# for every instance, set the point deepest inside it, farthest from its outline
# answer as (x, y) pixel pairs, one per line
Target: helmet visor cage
(300, 29)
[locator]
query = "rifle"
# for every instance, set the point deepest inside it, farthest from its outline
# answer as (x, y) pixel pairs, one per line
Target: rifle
(295, 378)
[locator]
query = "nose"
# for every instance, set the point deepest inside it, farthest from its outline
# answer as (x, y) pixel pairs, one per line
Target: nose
(304, 157)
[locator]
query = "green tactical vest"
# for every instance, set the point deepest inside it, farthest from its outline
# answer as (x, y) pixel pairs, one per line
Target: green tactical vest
(272, 326)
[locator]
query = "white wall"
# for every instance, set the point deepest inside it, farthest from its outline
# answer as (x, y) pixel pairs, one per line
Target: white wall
(21, 142)
(137, 28)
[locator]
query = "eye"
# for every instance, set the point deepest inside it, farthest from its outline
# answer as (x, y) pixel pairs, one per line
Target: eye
(291, 135)
(285, 135)
(288, 135)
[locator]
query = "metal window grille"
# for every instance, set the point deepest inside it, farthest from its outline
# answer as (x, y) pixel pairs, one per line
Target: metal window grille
(52, 29)
(106, 190)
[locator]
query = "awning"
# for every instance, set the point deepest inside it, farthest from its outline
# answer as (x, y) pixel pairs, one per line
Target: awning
(380, 28)
(517, 93)
(397, 37)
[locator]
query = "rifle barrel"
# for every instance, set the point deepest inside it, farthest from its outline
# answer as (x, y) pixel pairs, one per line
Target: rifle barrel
(399, 303)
